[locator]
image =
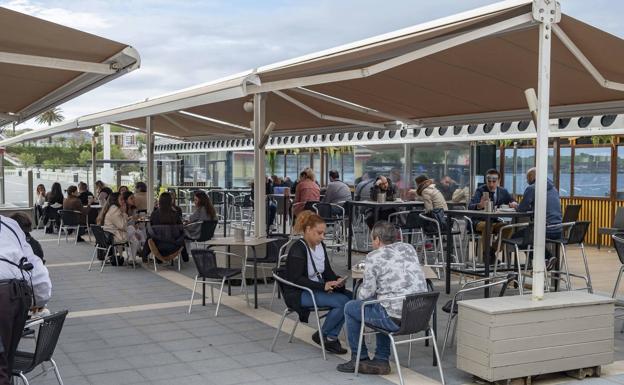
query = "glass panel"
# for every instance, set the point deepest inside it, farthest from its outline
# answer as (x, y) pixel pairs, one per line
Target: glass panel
(565, 171)
(292, 170)
(316, 166)
(592, 175)
(381, 160)
(348, 171)
(525, 159)
(620, 172)
(243, 169)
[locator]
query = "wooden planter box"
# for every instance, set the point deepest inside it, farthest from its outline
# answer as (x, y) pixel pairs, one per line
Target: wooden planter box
(512, 337)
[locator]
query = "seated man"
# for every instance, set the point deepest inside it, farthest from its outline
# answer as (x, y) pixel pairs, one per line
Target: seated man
(382, 185)
(491, 191)
(553, 208)
(392, 270)
(337, 190)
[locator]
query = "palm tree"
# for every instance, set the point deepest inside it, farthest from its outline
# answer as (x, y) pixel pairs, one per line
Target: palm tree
(53, 115)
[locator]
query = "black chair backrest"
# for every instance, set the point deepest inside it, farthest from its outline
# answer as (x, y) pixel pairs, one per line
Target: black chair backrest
(577, 232)
(324, 210)
(216, 197)
(51, 212)
(571, 213)
(206, 263)
(207, 230)
(48, 336)
(417, 311)
(273, 248)
(309, 205)
(618, 241)
(70, 218)
(413, 220)
(102, 238)
(527, 235)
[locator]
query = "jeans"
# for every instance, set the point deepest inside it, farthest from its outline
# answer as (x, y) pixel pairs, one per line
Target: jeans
(336, 316)
(375, 315)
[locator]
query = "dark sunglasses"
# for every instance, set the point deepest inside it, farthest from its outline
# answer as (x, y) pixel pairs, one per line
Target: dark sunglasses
(492, 178)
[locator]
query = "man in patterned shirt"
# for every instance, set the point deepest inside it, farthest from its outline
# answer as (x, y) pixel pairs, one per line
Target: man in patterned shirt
(392, 269)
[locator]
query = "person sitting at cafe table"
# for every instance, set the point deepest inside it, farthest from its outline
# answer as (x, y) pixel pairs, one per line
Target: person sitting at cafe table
(427, 192)
(203, 211)
(392, 269)
(337, 190)
(84, 194)
(553, 208)
(73, 203)
(307, 191)
(166, 228)
(382, 185)
(140, 196)
(491, 192)
(307, 265)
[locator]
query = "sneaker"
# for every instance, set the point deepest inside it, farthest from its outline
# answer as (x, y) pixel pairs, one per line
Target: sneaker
(349, 366)
(332, 346)
(375, 367)
(80, 239)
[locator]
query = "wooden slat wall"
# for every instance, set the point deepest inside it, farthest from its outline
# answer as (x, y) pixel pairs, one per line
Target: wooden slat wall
(598, 211)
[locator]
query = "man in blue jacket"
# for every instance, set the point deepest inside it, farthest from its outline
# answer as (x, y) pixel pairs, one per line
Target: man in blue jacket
(553, 205)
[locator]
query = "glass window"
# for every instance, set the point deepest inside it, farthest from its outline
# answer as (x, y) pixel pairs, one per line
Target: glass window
(592, 172)
(348, 171)
(525, 159)
(565, 171)
(292, 169)
(620, 172)
(243, 169)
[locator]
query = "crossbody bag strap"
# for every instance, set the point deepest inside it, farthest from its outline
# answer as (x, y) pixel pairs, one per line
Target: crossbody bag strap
(309, 252)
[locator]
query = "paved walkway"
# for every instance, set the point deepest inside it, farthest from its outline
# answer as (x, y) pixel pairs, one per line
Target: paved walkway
(130, 326)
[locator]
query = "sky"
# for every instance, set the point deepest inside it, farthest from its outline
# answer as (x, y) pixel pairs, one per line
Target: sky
(183, 43)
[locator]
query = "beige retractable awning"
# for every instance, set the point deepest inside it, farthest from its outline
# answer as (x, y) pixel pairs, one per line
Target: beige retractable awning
(43, 64)
(464, 68)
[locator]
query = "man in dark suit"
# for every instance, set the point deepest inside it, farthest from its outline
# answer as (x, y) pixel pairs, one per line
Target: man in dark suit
(491, 191)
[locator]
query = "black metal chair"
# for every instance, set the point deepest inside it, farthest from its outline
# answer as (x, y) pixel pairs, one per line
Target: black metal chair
(334, 216)
(451, 306)
(520, 242)
(209, 273)
(50, 328)
(51, 215)
(573, 235)
(571, 213)
(617, 226)
(270, 257)
(71, 220)
(278, 274)
(618, 242)
(104, 242)
(415, 318)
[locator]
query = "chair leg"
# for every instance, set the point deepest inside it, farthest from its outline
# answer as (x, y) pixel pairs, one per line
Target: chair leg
(292, 332)
(520, 276)
(590, 288)
(359, 348)
(435, 349)
(409, 352)
(104, 260)
(154, 260)
(77, 235)
(192, 295)
(273, 295)
(279, 329)
(56, 372)
(321, 336)
(212, 294)
(58, 239)
(220, 294)
(92, 258)
(565, 266)
(396, 358)
(617, 282)
(448, 330)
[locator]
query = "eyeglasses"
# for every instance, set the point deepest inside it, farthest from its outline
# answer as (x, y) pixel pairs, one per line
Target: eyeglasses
(492, 178)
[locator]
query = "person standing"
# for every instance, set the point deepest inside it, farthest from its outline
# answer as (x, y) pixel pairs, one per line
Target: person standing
(24, 284)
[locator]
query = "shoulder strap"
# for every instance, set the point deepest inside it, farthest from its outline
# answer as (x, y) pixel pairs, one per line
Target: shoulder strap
(309, 252)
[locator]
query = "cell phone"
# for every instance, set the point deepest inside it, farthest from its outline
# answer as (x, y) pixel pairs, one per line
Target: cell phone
(486, 195)
(341, 280)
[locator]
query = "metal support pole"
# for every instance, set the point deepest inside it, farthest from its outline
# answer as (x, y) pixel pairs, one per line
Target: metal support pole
(118, 178)
(407, 167)
(93, 158)
(150, 163)
(514, 168)
(259, 123)
(545, 13)
(2, 181)
(31, 200)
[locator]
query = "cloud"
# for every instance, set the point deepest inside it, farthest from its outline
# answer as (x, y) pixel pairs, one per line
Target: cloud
(64, 16)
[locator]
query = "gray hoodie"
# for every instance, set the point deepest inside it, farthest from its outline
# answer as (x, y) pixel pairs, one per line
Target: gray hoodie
(553, 204)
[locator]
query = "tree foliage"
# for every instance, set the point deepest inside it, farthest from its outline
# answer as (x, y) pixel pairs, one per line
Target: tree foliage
(53, 115)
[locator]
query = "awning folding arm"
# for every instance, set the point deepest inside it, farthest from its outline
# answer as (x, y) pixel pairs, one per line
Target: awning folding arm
(565, 39)
(59, 64)
(352, 106)
(319, 115)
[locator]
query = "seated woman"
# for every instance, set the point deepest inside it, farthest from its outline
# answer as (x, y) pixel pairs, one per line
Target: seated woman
(428, 193)
(166, 228)
(307, 265)
(204, 211)
(113, 219)
(53, 202)
(136, 233)
(307, 190)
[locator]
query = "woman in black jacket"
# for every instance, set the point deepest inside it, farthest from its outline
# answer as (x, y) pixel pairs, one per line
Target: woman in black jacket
(166, 228)
(307, 265)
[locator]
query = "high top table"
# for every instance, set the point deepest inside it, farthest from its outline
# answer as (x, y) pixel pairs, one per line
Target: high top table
(487, 217)
(248, 242)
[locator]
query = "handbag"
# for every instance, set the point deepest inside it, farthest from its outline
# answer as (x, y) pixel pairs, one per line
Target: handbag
(440, 217)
